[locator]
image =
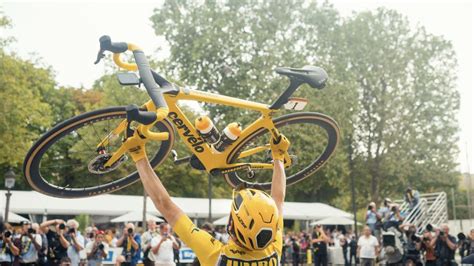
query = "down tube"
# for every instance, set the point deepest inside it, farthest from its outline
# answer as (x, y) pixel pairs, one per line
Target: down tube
(193, 141)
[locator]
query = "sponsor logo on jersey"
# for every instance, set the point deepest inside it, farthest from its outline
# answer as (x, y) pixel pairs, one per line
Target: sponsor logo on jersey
(271, 260)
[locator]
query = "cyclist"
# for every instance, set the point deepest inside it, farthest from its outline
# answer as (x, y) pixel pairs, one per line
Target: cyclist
(256, 218)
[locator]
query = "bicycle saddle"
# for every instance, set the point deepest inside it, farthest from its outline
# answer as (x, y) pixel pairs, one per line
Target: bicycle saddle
(316, 77)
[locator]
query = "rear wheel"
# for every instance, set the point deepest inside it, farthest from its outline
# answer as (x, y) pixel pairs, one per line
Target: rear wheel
(64, 161)
(313, 138)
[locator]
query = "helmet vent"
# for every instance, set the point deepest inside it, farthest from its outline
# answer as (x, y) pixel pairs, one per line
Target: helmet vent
(241, 237)
(251, 243)
(251, 224)
(264, 237)
(238, 202)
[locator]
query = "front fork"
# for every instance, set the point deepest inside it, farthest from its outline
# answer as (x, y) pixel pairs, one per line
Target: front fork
(124, 127)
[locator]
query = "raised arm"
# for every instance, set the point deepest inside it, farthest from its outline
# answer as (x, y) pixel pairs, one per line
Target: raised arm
(152, 184)
(279, 149)
(157, 192)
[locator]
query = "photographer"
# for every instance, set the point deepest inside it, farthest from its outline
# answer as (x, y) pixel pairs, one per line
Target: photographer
(162, 247)
(445, 247)
(97, 250)
(76, 242)
(43, 252)
(428, 245)
(58, 242)
(394, 218)
(130, 242)
(8, 251)
(30, 244)
(412, 246)
(412, 197)
(320, 246)
(147, 236)
(372, 217)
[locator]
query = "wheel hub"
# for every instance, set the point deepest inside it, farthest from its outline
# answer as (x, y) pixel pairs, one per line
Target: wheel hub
(97, 165)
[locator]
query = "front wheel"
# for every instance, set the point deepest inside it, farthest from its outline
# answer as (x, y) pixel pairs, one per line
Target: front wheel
(63, 162)
(313, 138)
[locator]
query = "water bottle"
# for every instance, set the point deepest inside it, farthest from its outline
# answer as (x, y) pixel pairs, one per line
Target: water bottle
(207, 130)
(229, 135)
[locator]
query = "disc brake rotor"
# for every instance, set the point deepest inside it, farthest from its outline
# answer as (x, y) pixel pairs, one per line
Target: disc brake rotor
(96, 165)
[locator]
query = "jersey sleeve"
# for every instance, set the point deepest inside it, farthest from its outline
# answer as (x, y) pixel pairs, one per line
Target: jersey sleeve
(205, 247)
(279, 236)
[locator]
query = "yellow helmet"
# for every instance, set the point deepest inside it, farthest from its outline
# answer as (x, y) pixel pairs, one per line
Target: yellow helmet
(253, 218)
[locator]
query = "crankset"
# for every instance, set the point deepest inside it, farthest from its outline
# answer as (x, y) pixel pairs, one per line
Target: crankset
(96, 165)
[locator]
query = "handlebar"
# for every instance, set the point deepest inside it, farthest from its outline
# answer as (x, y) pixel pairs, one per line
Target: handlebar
(147, 75)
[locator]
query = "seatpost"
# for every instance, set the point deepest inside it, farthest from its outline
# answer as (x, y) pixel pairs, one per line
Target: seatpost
(283, 98)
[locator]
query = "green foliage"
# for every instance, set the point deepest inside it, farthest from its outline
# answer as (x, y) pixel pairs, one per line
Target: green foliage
(84, 221)
(25, 113)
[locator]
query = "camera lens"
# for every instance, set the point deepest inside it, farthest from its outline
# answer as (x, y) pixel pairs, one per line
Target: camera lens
(31, 231)
(7, 234)
(101, 246)
(62, 226)
(130, 231)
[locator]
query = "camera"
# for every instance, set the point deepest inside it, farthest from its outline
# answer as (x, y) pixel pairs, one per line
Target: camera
(71, 231)
(101, 246)
(415, 238)
(62, 226)
(429, 228)
(7, 234)
(369, 208)
(130, 231)
(426, 239)
(393, 209)
(461, 236)
(31, 231)
(91, 235)
(441, 233)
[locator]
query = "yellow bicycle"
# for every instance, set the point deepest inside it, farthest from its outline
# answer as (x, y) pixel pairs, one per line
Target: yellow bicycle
(84, 156)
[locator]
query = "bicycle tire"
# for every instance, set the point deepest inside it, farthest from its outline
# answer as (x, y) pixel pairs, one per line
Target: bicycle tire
(324, 121)
(31, 165)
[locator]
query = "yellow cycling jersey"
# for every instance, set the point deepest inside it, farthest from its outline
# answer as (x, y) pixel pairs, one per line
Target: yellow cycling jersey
(212, 252)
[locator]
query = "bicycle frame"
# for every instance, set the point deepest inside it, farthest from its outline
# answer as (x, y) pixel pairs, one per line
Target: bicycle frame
(209, 157)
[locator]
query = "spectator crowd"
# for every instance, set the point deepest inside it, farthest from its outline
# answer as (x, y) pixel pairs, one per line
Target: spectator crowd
(385, 239)
(57, 242)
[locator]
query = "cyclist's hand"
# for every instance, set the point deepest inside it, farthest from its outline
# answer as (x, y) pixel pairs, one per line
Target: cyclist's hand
(136, 146)
(279, 148)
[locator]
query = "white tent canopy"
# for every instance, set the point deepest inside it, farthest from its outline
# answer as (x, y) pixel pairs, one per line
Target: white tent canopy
(334, 221)
(135, 216)
(15, 218)
(221, 221)
(35, 203)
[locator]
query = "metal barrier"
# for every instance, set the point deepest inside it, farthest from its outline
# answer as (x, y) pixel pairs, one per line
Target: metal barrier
(431, 209)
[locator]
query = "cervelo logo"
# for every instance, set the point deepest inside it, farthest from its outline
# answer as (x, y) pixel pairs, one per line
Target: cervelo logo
(196, 142)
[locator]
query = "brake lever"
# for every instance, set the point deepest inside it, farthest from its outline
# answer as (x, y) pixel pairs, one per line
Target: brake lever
(100, 55)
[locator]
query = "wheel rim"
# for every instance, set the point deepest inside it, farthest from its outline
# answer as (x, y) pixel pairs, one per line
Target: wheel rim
(310, 142)
(71, 150)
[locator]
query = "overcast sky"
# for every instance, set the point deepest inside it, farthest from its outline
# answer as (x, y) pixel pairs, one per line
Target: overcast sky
(64, 35)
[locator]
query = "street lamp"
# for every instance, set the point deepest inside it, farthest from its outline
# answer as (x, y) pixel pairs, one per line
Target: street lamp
(9, 184)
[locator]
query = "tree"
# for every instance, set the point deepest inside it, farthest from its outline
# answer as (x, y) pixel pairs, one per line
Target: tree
(405, 128)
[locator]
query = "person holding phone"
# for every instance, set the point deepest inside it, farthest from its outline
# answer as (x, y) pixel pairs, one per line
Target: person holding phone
(162, 247)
